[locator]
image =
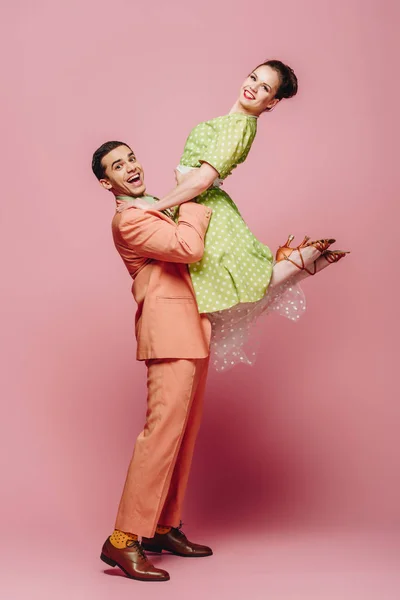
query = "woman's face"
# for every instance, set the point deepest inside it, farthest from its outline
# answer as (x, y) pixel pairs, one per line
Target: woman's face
(258, 90)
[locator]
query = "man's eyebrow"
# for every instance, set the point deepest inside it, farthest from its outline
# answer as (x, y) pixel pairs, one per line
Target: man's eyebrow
(130, 155)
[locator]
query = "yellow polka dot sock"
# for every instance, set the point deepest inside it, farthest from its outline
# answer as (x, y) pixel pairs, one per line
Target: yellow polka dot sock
(119, 538)
(161, 529)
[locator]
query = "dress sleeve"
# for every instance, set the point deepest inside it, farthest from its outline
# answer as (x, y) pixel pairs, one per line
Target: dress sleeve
(228, 146)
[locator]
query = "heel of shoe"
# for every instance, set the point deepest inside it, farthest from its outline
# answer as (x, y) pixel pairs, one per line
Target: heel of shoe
(151, 548)
(286, 250)
(107, 560)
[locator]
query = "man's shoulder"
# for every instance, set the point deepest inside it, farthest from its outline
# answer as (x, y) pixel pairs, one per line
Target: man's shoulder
(134, 215)
(129, 215)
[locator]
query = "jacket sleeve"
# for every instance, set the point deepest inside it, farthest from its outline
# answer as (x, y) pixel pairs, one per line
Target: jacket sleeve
(151, 235)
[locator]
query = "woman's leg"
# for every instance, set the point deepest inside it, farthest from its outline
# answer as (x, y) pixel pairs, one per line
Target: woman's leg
(326, 259)
(285, 270)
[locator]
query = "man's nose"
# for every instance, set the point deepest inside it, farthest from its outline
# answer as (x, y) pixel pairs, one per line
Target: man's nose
(131, 166)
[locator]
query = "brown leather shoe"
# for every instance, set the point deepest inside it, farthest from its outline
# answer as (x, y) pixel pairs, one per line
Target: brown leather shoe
(132, 561)
(175, 542)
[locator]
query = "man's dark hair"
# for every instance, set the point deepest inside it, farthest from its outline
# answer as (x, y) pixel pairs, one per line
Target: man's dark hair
(288, 84)
(97, 166)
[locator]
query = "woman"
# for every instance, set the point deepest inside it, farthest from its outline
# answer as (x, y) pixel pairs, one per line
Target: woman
(236, 280)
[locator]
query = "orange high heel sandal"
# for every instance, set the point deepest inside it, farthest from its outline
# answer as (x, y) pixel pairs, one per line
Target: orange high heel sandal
(284, 252)
(333, 256)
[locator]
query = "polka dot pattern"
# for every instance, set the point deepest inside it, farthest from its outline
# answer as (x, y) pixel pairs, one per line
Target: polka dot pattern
(163, 529)
(223, 142)
(235, 338)
(231, 281)
(235, 266)
(120, 539)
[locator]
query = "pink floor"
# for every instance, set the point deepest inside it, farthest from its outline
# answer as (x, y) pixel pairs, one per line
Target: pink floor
(281, 565)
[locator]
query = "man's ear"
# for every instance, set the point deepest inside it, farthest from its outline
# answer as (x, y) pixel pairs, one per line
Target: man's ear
(106, 184)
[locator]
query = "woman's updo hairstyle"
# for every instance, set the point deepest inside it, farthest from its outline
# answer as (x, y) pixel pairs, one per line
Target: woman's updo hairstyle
(288, 84)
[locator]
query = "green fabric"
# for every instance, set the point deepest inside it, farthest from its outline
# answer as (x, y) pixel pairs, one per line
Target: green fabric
(223, 142)
(151, 200)
(235, 266)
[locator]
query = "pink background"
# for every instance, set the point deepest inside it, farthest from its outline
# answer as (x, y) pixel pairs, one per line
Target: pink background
(307, 439)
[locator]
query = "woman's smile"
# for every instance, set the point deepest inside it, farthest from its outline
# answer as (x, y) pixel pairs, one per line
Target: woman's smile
(249, 95)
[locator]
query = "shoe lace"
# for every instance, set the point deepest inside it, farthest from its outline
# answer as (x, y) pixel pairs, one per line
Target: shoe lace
(138, 547)
(179, 528)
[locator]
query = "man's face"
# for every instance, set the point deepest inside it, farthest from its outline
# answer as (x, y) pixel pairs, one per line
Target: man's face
(123, 175)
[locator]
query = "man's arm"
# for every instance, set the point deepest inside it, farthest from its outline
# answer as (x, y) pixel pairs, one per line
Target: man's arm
(154, 237)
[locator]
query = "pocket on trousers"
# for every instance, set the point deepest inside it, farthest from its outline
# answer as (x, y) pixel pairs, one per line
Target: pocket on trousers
(175, 299)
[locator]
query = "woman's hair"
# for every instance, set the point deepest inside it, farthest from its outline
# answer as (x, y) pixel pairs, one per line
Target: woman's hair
(288, 84)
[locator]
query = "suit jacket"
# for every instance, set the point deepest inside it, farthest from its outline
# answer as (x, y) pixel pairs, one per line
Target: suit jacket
(156, 251)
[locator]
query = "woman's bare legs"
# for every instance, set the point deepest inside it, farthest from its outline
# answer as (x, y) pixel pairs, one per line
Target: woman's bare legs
(284, 270)
(285, 273)
(283, 278)
(325, 260)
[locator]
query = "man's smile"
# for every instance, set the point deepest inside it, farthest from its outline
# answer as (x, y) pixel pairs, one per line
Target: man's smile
(135, 179)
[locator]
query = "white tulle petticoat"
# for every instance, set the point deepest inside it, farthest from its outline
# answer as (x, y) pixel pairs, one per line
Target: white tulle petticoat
(233, 338)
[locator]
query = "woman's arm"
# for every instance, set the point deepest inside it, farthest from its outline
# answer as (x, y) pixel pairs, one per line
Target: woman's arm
(193, 184)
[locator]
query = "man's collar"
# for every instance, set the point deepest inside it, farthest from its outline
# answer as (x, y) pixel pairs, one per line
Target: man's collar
(127, 200)
(123, 202)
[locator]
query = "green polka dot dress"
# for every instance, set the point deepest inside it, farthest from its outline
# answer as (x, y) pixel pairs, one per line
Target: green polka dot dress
(235, 268)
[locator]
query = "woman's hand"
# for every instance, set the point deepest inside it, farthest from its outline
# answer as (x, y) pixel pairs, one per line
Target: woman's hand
(143, 205)
(137, 203)
(181, 177)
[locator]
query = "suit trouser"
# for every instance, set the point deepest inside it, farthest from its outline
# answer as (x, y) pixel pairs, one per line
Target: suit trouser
(158, 473)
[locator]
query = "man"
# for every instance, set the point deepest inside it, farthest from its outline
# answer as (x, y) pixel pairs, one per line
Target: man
(173, 339)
